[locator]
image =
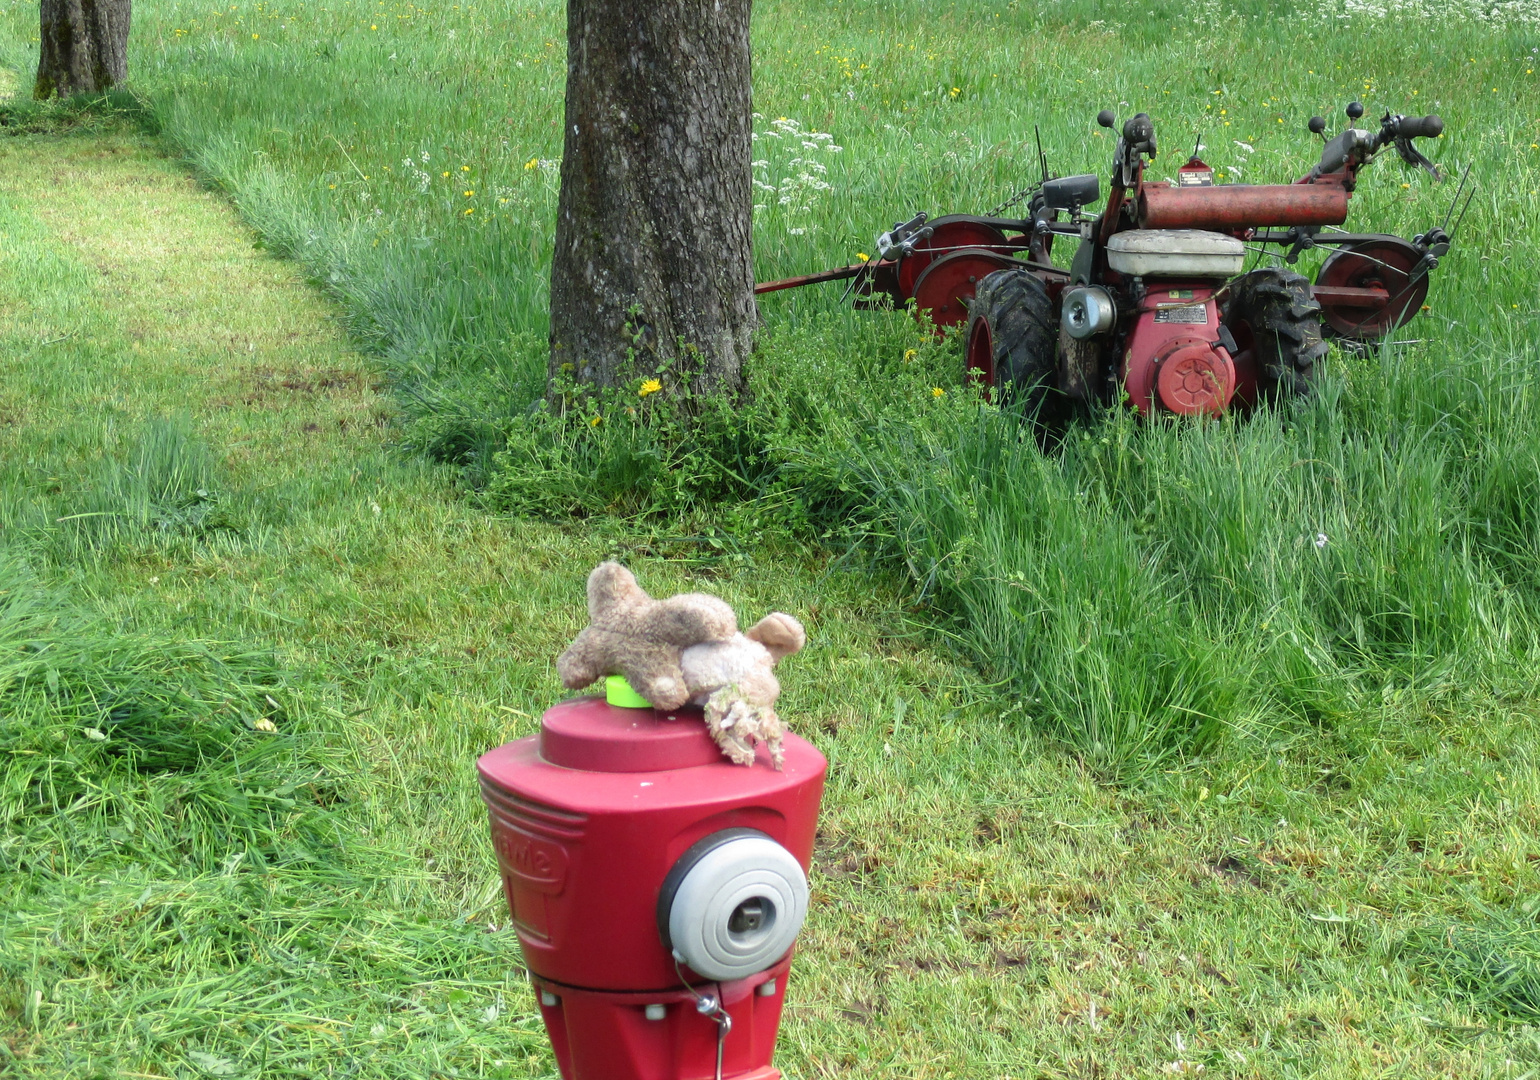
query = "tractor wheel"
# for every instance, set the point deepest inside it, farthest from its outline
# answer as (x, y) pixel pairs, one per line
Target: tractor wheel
(1013, 336)
(1276, 323)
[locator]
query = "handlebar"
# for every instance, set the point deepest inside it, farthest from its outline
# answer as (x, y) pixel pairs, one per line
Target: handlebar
(1354, 147)
(1401, 130)
(1417, 127)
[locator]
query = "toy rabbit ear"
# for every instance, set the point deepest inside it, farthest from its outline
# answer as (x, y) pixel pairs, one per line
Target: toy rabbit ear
(608, 585)
(779, 633)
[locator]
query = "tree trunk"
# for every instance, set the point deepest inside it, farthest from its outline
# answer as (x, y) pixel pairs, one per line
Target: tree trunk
(652, 273)
(83, 47)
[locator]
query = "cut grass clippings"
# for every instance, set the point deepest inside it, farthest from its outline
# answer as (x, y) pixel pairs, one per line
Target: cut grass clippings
(1493, 964)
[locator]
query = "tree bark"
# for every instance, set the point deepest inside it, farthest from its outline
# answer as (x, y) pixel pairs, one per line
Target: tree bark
(83, 46)
(652, 274)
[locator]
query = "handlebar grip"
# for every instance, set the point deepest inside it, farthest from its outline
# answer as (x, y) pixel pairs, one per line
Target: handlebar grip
(1424, 127)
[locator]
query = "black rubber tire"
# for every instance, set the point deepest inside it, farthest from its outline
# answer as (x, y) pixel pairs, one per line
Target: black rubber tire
(1023, 323)
(1273, 311)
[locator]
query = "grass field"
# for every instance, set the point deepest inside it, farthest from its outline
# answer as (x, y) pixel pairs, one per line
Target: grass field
(406, 157)
(234, 842)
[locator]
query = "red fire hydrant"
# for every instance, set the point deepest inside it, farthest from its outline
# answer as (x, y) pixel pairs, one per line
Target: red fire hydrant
(656, 888)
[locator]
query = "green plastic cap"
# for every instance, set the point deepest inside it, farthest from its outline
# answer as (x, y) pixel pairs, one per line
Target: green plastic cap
(618, 692)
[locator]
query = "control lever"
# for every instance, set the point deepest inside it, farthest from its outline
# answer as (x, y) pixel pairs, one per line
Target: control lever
(1403, 129)
(900, 242)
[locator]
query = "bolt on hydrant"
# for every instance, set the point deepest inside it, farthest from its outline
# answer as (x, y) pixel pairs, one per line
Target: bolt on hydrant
(656, 887)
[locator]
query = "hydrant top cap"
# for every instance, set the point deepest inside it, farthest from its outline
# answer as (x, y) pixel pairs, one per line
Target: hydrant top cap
(589, 733)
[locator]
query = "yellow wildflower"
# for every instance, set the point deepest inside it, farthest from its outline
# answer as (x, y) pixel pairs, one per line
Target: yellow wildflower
(470, 210)
(910, 354)
(649, 386)
(468, 194)
(596, 421)
(936, 391)
(465, 168)
(863, 256)
(530, 164)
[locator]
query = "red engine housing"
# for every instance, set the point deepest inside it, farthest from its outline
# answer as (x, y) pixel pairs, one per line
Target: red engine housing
(1173, 360)
(588, 817)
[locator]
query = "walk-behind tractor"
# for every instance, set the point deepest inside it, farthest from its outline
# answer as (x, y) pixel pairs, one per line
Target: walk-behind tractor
(1157, 303)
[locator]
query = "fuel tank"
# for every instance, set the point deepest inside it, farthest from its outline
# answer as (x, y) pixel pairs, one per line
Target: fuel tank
(1228, 207)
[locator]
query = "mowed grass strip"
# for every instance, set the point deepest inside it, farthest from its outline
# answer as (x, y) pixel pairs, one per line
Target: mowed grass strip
(984, 905)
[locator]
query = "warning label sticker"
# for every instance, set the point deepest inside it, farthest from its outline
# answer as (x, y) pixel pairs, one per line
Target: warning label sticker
(1195, 178)
(1192, 314)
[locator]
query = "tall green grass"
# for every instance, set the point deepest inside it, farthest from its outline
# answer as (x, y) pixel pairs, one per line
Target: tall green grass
(405, 153)
(1148, 586)
(1140, 589)
(163, 486)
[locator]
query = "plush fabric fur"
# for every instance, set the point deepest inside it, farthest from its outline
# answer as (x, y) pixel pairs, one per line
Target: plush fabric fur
(632, 634)
(734, 680)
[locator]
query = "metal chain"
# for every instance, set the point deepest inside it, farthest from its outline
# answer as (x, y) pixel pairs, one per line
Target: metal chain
(709, 1005)
(1012, 201)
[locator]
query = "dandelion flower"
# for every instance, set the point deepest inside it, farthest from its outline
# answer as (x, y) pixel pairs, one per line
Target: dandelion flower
(468, 194)
(470, 210)
(530, 164)
(936, 391)
(465, 168)
(863, 256)
(596, 421)
(910, 354)
(649, 386)
(446, 175)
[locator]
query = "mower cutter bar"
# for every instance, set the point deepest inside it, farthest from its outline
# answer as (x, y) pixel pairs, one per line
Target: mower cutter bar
(838, 274)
